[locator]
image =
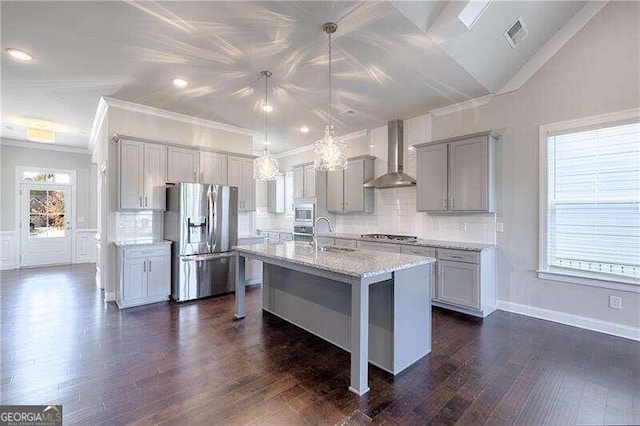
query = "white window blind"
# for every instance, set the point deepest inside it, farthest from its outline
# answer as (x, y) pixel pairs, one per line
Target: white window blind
(593, 211)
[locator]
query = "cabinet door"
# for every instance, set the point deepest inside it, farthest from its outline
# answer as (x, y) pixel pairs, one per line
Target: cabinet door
(427, 252)
(182, 165)
(131, 174)
(335, 191)
(248, 185)
(432, 178)
(213, 168)
(234, 177)
(468, 175)
(458, 283)
(309, 181)
(298, 182)
(134, 279)
(275, 195)
(288, 193)
(155, 176)
(158, 279)
(353, 190)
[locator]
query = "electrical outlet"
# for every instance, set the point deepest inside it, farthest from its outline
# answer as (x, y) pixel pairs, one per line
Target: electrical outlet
(436, 224)
(145, 223)
(615, 302)
(499, 227)
(121, 224)
(462, 226)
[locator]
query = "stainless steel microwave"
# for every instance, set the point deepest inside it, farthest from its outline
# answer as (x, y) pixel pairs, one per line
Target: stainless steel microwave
(303, 213)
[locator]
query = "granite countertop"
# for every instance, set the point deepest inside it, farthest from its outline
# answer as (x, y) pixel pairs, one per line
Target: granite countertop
(357, 263)
(141, 242)
(455, 245)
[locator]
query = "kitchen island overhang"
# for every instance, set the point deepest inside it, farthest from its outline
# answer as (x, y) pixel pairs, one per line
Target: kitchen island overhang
(375, 305)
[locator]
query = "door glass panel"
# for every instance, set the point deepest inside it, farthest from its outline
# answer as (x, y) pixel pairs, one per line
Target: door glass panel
(46, 213)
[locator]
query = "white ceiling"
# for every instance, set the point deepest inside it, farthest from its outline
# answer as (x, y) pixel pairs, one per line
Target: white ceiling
(384, 65)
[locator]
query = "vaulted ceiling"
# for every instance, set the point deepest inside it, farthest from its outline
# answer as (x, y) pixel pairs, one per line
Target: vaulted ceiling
(386, 64)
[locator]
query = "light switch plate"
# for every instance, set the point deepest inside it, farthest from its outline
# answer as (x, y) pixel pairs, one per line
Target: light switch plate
(462, 226)
(615, 302)
(499, 227)
(80, 219)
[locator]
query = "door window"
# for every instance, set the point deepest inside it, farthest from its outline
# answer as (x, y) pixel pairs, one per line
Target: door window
(46, 213)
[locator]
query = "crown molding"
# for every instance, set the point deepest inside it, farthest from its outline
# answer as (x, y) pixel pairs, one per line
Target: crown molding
(461, 106)
(44, 146)
(555, 43)
(176, 116)
(310, 147)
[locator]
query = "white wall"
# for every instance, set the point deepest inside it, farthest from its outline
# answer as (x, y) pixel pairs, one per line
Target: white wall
(12, 156)
(595, 72)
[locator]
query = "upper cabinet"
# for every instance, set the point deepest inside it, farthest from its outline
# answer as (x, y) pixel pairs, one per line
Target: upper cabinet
(142, 171)
(182, 165)
(345, 193)
(213, 168)
(276, 195)
(247, 196)
(288, 193)
(457, 174)
(304, 181)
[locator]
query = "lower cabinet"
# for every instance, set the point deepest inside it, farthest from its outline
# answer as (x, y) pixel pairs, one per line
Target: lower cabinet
(144, 275)
(461, 280)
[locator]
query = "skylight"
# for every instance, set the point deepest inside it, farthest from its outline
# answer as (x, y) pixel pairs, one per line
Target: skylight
(472, 11)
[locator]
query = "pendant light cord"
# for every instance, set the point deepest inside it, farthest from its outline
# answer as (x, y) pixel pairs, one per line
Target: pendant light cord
(266, 103)
(329, 111)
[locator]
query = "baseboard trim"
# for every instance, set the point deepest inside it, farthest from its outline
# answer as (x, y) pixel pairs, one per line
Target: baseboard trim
(109, 296)
(606, 327)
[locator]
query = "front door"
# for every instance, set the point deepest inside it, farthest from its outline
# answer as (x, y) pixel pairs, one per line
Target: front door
(45, 224)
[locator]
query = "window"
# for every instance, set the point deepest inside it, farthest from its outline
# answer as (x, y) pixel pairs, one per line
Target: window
(592, 204)
(41, 177)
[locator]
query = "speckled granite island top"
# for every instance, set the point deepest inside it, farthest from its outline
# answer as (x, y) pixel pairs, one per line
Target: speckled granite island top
(356, 263)
(454, 245)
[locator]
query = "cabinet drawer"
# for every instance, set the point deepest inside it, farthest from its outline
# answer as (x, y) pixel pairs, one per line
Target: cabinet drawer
(325, 241)
(459, 255)
(148, 251)
(286, 237)
(419, 251)
(345, 243)
(390, 248)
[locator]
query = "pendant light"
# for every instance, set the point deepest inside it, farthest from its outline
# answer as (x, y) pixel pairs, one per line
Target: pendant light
(330, 151)
(265, 167)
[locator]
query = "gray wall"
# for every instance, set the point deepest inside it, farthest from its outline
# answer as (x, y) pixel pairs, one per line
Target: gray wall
(12, 156)
(596, 72)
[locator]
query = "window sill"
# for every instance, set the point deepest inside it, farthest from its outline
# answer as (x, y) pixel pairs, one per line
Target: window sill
(621, 284)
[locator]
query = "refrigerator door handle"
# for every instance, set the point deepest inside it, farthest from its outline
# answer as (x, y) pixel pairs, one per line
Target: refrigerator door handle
(212, 220)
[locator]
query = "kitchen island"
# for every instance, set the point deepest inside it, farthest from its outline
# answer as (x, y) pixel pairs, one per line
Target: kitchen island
(375, 305)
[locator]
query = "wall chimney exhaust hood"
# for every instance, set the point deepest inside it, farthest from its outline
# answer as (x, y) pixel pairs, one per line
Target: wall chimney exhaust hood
(395, 177)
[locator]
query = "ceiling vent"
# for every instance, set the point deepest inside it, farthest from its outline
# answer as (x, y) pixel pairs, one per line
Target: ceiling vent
(516, 33)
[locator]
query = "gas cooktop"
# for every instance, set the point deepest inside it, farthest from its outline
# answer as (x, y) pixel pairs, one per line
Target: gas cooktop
(390, 237)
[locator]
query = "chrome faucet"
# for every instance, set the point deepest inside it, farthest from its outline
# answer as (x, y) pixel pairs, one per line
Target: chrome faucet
(314, 242)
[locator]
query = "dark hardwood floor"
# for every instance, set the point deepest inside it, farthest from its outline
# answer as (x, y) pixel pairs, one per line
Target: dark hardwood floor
(194, 364)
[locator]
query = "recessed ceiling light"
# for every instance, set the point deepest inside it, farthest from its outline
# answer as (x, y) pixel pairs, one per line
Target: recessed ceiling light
(411, 147)
(41, 135)
(372, 146)
(267, 108)
(304, 129)
(180, 82)
(20, 55)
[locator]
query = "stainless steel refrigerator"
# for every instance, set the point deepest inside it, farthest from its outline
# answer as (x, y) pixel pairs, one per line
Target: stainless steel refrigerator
(202, 222)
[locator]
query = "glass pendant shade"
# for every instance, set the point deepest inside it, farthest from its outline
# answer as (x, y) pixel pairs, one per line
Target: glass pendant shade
(330, 152)
(265, 167)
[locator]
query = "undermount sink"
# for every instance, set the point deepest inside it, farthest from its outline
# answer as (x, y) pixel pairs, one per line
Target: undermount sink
(335, 248)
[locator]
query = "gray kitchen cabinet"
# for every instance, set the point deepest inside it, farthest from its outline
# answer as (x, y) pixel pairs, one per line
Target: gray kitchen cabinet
(431, 191)
(457, 174)
(305, 181)
(345, 191)
(142, 172)
(458, 283)
(143, 275)
(240, 175)
(213, 168)
(182, 165)
(276, 195)
(426, 252)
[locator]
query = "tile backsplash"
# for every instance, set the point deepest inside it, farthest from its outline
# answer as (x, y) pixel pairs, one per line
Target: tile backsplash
(395, 213)
(139, 225)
